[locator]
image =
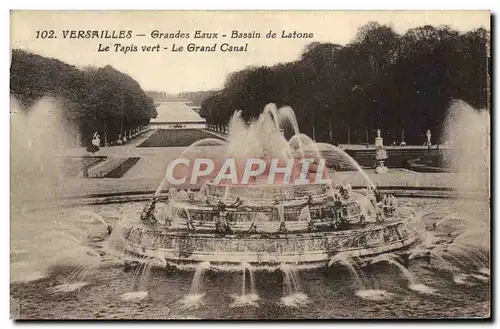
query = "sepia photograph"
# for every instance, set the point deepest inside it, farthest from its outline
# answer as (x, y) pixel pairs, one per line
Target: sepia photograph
(250, 165)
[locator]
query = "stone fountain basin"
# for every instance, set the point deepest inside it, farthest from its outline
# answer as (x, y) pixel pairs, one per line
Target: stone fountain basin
(178, 247)
(268, 193)
(266, 218)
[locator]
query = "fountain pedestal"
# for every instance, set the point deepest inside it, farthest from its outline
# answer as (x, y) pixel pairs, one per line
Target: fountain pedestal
(380, 155)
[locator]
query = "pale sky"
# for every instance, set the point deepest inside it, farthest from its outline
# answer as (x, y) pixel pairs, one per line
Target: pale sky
(175, 72)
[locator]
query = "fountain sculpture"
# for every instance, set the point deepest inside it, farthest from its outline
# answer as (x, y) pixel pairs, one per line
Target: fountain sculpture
(268, 224)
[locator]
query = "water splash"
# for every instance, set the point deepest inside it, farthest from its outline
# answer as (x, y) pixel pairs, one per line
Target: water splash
(292, 290)
(69, 287)
(194, 299)
(467, 133)
(192, 152)
(472, 259)
(413, 282)
(191, 301)
(303, 146)
(86, 221)
(305, 214)
(422, 288)
(287, 115)
(45, 243)
(461, 279)
(458, 237)
(481, 276)
(374, 294)
(261, 138)
(134, 296)
(485, 271)
(39, 135)
(143, 271)
(297, 299)
(335, 154)
(281, 211)
(247, 298)
(346, 260)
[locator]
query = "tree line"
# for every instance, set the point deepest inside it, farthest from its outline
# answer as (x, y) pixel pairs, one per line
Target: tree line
(102, 100)
(400, 84)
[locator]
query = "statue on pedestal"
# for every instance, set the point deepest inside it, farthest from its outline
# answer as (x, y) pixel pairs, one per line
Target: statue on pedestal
(94, 144)
(379, 141)
(428, 141)
(380, 155)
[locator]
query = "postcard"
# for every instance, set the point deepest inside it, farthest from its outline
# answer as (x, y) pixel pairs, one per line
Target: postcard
(224, 165)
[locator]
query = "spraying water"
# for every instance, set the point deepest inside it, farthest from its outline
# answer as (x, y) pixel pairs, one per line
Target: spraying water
(305, 214)
(345, 260)
(247, 298)
(40, 240)
(68, 287)
(467, 133)
(263, 138)
(192, 152)
(414, 284)
(293, 296)
(194, 299)
(259, 139)
(287, 115)
(336, 154)
(374, 294)
(142, 273)
(38, 138)
(134, 296)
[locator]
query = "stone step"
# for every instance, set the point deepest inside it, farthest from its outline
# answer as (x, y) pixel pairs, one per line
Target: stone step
(103, 169)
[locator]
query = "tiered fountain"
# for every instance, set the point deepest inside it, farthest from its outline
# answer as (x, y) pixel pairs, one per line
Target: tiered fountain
(268, 225)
